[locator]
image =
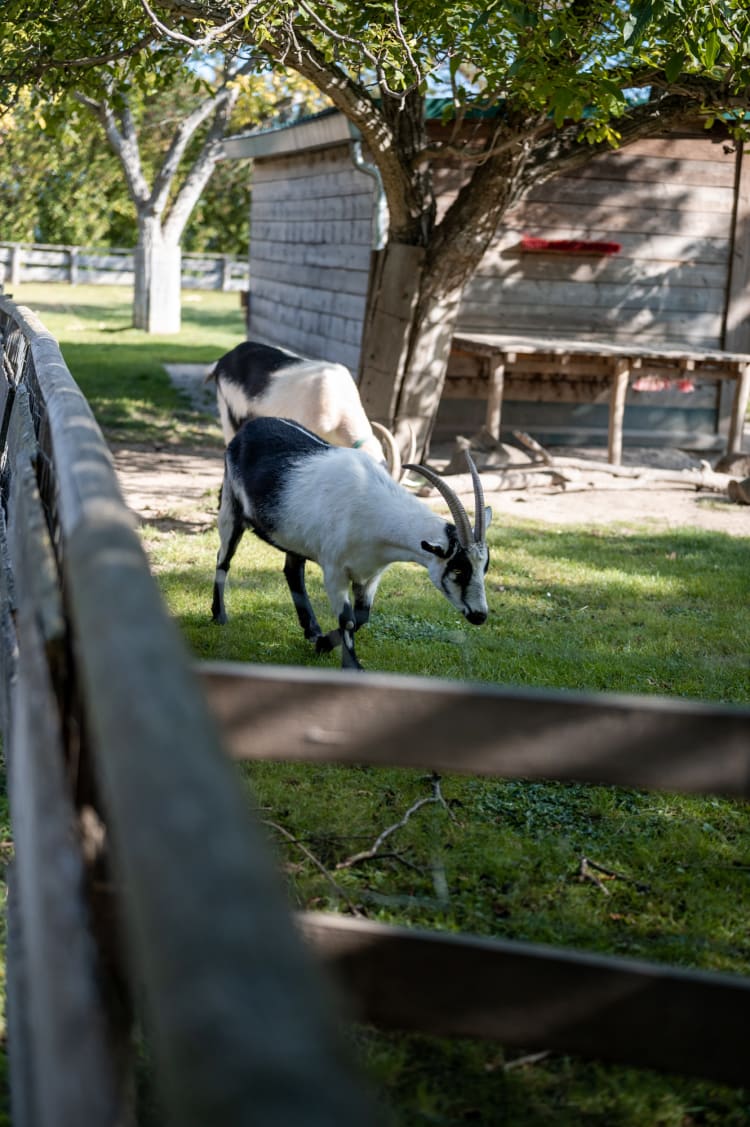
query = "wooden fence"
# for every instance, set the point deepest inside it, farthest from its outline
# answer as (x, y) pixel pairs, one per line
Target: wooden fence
(37, 262)
(140, 893)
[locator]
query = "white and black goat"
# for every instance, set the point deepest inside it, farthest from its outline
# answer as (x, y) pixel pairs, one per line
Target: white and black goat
(257, 380)
(315, 501)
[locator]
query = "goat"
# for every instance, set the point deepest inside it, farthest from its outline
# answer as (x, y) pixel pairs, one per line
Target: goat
(340, 509)
(256, 380)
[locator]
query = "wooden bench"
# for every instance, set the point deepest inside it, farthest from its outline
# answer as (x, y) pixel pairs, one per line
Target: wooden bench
(502, 356)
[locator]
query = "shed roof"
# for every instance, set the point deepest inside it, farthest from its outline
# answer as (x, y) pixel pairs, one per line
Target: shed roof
(317, 131)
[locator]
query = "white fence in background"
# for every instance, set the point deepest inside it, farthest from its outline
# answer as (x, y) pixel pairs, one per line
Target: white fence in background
(38, 262)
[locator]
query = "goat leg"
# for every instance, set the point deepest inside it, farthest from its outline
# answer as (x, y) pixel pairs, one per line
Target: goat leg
(231, 531)
(347, 627)
(294, 573)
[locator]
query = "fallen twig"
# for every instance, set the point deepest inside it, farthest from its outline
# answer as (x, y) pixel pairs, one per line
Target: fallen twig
(587, 870)
(318, 865)
(374, 850)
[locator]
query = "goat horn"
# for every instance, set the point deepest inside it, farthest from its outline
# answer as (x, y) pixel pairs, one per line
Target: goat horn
(458, 512)
(390, 446)
(479, 524)
(412, 441)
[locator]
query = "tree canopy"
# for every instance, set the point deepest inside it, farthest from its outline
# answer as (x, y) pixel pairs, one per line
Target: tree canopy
(531, 89)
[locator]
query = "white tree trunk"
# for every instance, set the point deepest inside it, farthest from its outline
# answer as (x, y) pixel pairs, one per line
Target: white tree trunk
(158, 268)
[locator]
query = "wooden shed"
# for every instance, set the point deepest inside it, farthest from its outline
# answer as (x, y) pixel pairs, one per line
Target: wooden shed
(645, 250)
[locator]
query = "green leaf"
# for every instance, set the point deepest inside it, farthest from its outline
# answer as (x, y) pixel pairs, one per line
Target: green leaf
(639, 20)
(673, 66)
(711, 48)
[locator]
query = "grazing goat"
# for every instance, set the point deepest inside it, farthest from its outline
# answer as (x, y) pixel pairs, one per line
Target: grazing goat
(315, 501)
(256, 380)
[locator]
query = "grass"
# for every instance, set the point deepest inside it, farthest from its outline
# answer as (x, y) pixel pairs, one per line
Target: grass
(120, 369)
(630, 609)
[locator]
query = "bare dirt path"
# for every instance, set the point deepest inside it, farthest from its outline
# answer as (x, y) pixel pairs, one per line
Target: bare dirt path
(179, 489)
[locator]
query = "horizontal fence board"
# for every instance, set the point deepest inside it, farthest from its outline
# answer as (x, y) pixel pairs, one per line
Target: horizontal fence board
(538, 997)
(114, 266)
(479, 729)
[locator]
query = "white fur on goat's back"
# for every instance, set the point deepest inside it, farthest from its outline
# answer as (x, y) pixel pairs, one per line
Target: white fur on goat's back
(320, 395)
(340, 505)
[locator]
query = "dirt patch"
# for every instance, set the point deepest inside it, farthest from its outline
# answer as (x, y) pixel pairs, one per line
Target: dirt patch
(179, 489)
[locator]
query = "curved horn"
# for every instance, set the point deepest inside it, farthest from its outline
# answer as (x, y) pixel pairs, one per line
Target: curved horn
(412, 441)
(479, 524)
(390, 446)
(458, 512)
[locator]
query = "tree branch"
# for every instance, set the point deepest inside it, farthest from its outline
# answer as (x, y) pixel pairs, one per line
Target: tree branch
(124, 142)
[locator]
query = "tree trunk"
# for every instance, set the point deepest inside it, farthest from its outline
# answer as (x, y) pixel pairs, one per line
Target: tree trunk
(158, 266)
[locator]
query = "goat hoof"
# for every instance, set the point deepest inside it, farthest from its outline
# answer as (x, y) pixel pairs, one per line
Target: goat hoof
(220, 619)
(323, 644)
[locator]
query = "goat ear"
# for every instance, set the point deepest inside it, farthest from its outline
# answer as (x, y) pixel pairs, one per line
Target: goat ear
(487, 516)
(435, 549)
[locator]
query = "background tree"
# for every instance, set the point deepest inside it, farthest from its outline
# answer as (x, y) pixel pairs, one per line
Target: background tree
(550, 83)
(163, 202)
(549, 80)
(164, 111)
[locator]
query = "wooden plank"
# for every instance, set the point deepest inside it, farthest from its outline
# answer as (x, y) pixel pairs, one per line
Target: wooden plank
(511, 265)
(614, 218)
(624, 1011)
(483, 295)
(349, 258)
(311, 207)
(281, 330)
(698, 330)
(386, 330)
(664, 195)
(698, 146)
(739, 411)
(67, 1031)
(332, 231)
(17, 1013)
(496, 381)
(737, 328)
(314, 296)
(229, 992)
(713, 168)
(479, 729)
(8, 638)
(636, 245)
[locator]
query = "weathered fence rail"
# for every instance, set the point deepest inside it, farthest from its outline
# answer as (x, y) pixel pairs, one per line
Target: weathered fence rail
(140, 892)
(125, 808)
(39, 262)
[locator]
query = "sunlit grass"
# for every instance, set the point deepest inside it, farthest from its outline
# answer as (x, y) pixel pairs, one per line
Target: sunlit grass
(623, 609)
(121, 369)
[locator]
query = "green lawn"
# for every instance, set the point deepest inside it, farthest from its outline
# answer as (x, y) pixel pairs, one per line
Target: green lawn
(617, 608)
(120, 369)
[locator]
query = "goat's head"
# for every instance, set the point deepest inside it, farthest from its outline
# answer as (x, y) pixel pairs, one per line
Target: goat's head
(458, 568)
